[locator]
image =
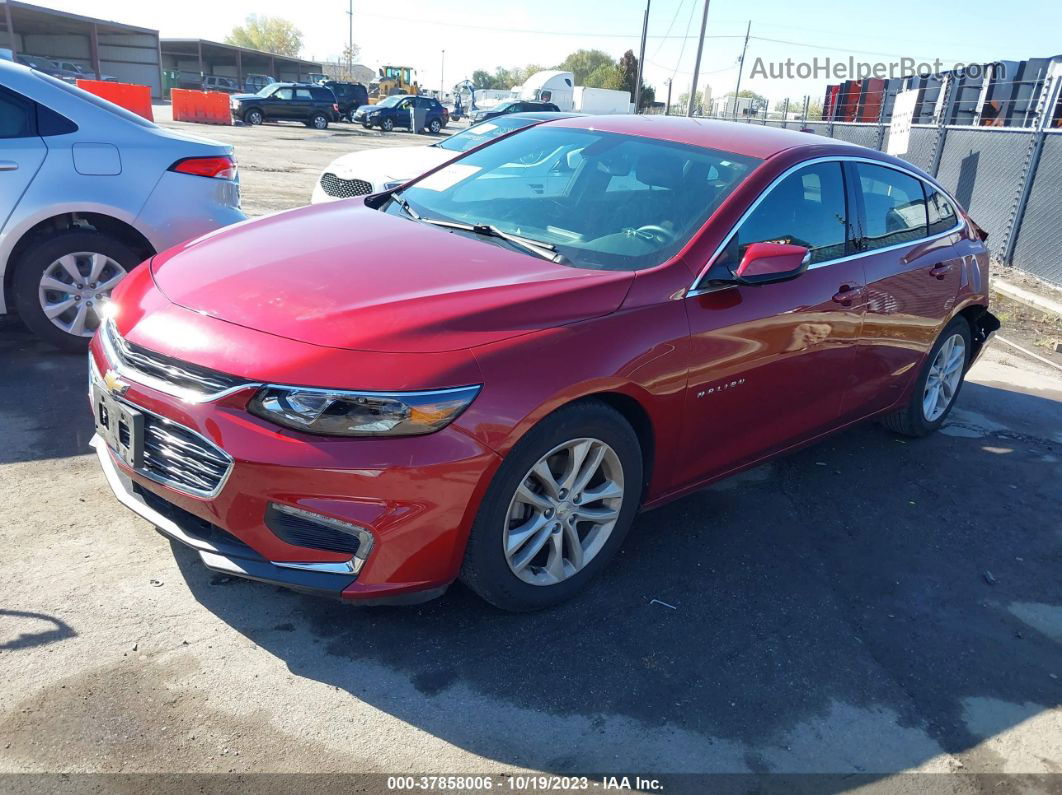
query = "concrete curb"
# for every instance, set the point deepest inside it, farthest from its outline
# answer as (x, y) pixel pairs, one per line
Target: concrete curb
(1027, 297)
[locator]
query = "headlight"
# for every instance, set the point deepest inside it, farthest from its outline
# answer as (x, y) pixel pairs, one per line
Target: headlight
(338, 413)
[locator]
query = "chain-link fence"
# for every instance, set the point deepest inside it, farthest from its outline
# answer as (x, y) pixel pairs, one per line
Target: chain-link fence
(1008, 178)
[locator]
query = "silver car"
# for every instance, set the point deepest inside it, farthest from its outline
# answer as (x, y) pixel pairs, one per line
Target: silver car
(87, 191)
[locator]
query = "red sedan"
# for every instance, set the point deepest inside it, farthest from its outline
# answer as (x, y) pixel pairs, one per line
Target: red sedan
(488, 373)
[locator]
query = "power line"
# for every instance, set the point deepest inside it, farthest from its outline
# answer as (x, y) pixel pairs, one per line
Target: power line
(663, 39)
(496, 29)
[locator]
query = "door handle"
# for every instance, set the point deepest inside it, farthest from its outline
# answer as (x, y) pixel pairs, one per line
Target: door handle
(941, 269)
(847, 293)
(8, 165)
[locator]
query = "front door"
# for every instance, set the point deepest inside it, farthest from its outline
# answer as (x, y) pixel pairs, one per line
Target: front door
(21, 150)
(770, 364)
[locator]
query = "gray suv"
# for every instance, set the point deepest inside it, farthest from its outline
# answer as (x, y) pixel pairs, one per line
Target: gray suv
(87, 191)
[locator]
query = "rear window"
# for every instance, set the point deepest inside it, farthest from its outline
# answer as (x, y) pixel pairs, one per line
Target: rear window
(322, 94)
(99, 102)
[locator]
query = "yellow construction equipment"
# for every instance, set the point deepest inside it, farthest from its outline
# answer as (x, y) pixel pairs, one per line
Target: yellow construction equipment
(395, 80)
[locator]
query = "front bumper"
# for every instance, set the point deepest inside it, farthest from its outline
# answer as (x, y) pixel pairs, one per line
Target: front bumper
(218, 550)
(415, 496)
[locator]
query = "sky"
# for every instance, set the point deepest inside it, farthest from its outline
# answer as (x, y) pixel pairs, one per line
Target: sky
(484, 34)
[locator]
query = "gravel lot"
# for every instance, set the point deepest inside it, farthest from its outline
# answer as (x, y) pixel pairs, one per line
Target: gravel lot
(868, 606)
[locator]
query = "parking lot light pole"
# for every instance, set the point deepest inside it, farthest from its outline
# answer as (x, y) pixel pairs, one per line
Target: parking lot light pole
(350, 40)
(442, 77)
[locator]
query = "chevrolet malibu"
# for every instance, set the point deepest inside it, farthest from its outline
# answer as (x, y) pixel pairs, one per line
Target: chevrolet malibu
(484, 376)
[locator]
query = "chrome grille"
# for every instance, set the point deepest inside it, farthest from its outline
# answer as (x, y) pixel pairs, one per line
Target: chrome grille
(170, 371)
(180, 457)
(344, 188)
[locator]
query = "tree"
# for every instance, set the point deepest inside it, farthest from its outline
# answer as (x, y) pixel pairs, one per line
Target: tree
(582, 63)
(481, 78)
(605, 76)
(270, 34)
(628, 66)
(814, 109)
(684, 100)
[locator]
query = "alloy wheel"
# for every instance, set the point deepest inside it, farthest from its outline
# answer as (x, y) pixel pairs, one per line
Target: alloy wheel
(944, 375)
(563, 511)
(320, 122)
(74, 288)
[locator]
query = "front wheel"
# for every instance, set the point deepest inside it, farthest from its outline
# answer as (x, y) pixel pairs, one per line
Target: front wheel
(557, 509)
(387, 125)
(938, 384)
(253, 117)
(62, 283)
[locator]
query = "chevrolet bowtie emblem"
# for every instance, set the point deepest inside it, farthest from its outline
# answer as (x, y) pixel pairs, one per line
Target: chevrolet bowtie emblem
(114, 384)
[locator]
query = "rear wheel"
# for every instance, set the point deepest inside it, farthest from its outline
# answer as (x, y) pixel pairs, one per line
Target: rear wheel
(557, 509)
(938, 384)
(62, 284)
(434, 126)
(318, 121)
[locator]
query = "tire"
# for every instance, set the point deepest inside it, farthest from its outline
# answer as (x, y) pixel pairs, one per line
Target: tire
(486, 568)
(387, 125)
(913, 420)
(44, 260)
(434, 126)
(253, 117)
(318, 121)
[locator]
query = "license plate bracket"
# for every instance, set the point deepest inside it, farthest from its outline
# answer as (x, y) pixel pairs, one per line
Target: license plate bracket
(120, 426)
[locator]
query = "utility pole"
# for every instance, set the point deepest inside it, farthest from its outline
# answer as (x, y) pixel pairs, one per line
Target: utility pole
(667, 107)
(741, 66)
(350, 40)
(442, 77)
(697, 65)
(641, 60)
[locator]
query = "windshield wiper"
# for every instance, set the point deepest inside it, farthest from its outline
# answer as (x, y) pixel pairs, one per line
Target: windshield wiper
(537, 247)
(397, 199)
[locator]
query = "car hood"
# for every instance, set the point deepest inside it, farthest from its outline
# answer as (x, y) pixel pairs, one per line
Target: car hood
(244, 96)
(400, 162)
(345, 276)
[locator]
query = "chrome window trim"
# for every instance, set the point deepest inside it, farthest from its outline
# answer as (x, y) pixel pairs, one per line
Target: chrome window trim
(694, 290)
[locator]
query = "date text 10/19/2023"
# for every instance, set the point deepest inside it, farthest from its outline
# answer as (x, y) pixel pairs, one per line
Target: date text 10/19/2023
(521, 783)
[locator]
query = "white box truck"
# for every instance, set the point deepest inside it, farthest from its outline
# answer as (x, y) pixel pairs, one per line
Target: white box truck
(560, 89)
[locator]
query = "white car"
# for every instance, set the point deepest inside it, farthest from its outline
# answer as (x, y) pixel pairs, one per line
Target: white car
(375, 170)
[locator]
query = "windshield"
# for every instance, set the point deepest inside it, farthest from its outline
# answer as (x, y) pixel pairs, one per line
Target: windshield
(602, 200)
(391, 101)
(265, 91)
(483, 132)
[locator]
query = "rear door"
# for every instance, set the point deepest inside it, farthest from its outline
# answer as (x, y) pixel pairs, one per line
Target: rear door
(913, 278)
(303, 106)
(21, 150)
(770, 364)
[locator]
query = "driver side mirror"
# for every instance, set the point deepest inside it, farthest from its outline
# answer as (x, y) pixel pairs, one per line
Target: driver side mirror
(764, 263)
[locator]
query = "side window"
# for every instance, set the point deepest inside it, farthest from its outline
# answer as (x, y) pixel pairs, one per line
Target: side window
(895, 206)
(942, 215)
(16, 116)
(807, 208)
(282, 94)
(303, 94)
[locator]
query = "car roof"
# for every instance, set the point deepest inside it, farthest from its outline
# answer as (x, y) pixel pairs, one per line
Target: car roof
(543, 115)
(751, 140)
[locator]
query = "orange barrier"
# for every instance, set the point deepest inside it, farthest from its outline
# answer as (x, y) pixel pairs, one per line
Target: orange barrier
(128, 95)
(204, 107)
